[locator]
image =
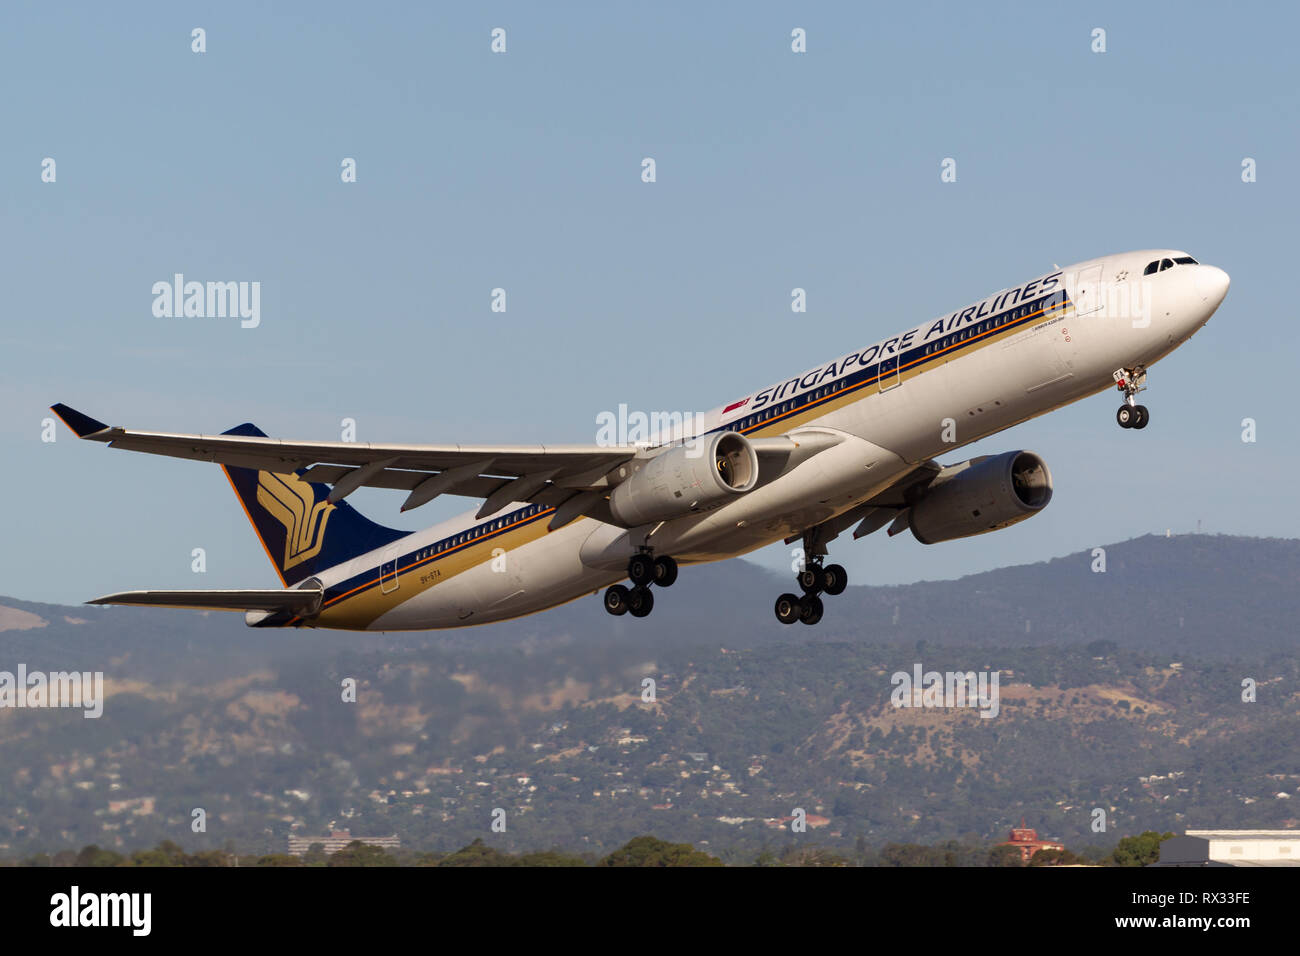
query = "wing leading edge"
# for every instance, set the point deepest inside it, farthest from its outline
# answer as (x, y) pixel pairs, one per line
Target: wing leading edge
(541, 474)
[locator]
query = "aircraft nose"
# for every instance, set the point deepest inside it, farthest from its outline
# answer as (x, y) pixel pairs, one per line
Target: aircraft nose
(1212, 284)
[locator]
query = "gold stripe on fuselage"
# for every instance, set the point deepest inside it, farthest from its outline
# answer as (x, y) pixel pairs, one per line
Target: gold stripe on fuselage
(365, 603)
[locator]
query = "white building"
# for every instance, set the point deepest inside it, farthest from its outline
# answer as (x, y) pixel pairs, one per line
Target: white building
(1232, 848)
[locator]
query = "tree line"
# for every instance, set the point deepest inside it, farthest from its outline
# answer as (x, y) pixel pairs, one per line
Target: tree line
(640, 851)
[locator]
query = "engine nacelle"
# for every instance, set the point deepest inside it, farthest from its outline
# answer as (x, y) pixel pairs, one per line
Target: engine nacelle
(691, 477)
(981, 495)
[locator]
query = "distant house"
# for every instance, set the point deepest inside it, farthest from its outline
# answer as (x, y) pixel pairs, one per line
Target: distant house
(1026, 841)
(337, 840)
(813, 820)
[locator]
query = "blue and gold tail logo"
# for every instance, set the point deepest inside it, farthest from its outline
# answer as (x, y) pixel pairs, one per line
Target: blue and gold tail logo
(292, 502)
(287, 503)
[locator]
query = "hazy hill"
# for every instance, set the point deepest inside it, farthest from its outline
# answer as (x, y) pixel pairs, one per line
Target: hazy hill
(543, 717)
(1192, 594)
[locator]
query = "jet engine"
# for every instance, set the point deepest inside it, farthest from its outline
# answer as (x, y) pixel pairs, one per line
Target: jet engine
(981, 495)
(687, 478)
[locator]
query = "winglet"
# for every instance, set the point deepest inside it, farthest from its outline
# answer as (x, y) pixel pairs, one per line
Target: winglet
(82, 425)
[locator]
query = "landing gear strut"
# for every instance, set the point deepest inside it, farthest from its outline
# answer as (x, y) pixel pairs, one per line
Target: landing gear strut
(814, 580)
(1130, 381)
(643, 570)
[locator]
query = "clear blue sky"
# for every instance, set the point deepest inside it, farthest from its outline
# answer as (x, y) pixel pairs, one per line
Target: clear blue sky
(522, 171)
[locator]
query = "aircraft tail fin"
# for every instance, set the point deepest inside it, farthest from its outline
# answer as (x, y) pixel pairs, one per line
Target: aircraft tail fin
(302, 532)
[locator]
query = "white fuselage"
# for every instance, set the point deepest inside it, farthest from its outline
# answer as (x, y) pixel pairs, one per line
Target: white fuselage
(893, 405)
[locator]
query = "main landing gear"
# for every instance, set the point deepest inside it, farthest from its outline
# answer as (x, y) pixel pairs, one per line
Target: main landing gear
(813, 580)
(1130, 381)
(643, 570)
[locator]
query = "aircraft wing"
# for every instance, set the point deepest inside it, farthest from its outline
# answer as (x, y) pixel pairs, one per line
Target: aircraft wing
(302, 600)
(543, 474)
(576, 477)
(888, 507)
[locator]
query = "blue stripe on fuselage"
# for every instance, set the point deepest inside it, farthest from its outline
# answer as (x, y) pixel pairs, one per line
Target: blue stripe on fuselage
(913, 358)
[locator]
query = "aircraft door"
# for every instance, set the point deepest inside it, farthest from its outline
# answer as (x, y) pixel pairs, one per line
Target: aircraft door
(388, 572)
(1087, 291)
(889, 370)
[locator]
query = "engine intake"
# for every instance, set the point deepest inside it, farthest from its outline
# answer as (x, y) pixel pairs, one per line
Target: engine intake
(981, 495)
(691, 477)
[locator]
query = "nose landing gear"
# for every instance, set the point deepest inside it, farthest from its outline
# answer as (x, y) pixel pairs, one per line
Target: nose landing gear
(1130, 381)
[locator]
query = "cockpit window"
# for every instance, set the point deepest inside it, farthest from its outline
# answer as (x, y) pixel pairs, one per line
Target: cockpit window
(1160, 265)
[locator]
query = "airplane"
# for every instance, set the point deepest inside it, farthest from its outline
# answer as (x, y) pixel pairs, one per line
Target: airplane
(847, 444)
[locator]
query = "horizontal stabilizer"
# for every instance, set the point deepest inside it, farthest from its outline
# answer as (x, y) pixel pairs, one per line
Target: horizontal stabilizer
(299, 600)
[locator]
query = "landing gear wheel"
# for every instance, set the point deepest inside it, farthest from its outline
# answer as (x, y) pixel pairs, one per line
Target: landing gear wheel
(1130, 381)
(834, 579)
(810, 579)
(640, 601)
(665, 571)
(616, 598)
(810, 609)
(788, 607)
(641, 569)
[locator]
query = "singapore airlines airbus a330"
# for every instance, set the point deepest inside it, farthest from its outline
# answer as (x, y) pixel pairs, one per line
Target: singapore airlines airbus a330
(848, 444)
